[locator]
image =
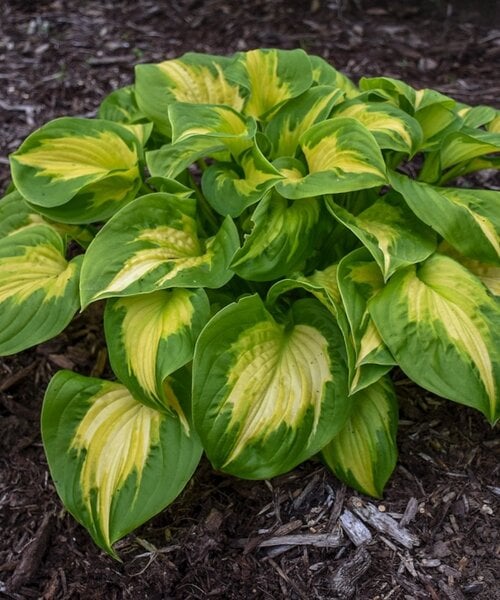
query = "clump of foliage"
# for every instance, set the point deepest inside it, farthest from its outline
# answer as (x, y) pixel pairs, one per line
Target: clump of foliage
(270, 241)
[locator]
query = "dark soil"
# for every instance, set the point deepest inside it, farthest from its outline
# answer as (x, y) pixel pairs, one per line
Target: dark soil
(60, 58)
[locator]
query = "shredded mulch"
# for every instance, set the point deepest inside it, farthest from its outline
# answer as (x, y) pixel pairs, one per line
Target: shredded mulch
(435, 533)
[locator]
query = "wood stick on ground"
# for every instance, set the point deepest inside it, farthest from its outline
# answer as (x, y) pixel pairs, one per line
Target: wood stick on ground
(355, 529)
(383, 522)
(319, 540)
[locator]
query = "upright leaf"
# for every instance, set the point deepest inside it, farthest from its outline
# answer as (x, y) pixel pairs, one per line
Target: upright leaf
(296, 116)
(284, 235)
(324, 74)
(359, 279)
(390, 231)
(392, 127)
(394, 90)
(342, 156)
(230, 187)
(193, 78)
(121, 106)
(212, 121)
(270, 77)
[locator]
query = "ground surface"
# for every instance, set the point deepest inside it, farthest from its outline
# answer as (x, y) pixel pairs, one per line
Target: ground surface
(61, 57)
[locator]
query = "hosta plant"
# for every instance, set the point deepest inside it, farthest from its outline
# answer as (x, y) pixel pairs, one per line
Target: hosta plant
(269, 241)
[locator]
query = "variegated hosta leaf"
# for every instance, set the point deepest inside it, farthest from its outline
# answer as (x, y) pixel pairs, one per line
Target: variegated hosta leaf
(284, 235)
(38, 288)
(201, 131)
(267, 395)
(468, 219)
(488, 274)
(476, 116)
(193, 78)
(391, 127)
(437, 115)
(271, 77)
(479, 163)
(390, 231)
(394, 90)
(142, 131)
(364, 453)
(16, 215)
(153, 244)
(172, 159)
(342, 156)
(426, 97)
(324, 74)
(443, 327)
(121, 106)
(230, 188)
(213, 121)
(462, 146)
(78, 170)
(115, 462)
(296, 116)
(494, 125)
(359, 279)
(434, 111)
(152, 335)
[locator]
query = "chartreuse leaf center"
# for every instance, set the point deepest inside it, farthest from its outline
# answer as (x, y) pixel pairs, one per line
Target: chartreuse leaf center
(266, 394)
(114, 420)
(442, 306)
(70, 157)
(38, 287)
(116, 462)
(434, 303)
(38, 268)
(277, 377)
(144, 321)
(199, 84)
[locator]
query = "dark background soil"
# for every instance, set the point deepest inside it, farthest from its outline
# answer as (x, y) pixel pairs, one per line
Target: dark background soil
(60, 58)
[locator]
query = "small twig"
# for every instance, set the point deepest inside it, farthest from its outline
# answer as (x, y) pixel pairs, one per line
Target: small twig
(111, 60)
(305, 492)
(319, 540)
(16, 378)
